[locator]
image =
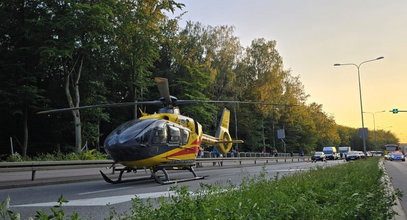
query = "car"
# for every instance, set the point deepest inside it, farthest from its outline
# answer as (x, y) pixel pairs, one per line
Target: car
(361, 154)
(318, 156)
(353, 155)
(397, 156)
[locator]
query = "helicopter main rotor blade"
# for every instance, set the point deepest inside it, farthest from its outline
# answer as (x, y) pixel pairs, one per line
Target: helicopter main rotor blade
(163, 88)
(102, 106)
(180, 102)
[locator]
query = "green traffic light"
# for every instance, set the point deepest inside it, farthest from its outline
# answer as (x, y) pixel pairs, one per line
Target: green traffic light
(395, 111)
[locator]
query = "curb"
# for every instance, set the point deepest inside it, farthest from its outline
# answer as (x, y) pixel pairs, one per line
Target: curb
(401, 215)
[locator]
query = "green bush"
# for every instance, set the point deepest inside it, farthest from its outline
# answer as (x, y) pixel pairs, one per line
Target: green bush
(350, 191)
(15, 157)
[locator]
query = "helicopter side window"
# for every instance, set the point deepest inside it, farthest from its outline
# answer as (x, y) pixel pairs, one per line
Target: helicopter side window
(159, 136)
(184, 136)
(174, 133)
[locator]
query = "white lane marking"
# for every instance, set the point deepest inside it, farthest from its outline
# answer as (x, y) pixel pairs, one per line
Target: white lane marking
(101, 201)
(105, 190)
(290, 170)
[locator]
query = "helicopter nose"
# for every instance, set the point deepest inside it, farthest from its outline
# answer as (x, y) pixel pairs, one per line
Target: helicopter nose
(121, 151)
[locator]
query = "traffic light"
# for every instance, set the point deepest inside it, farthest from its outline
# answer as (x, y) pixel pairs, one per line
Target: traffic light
(395, 110)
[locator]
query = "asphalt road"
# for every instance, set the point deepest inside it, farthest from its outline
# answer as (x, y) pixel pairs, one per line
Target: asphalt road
(90, 199)
(397, 171)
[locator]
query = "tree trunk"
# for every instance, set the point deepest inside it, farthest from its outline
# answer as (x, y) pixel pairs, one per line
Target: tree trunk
(75, 113)
(25, 140)
(98, 137)
(78, 131)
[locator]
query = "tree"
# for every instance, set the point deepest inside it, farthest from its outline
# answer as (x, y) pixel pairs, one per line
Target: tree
(74, 30)
(19, 66)
(326, 127)
(139, 25)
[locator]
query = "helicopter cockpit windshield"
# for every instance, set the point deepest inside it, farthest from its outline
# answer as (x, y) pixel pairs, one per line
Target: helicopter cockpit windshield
(147, 131)
(135, 131)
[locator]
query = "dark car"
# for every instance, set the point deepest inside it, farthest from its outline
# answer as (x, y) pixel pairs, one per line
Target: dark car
(353, 155)
(318, 156)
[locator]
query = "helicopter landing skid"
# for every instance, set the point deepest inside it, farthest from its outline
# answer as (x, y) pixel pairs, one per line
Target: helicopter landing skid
(166, 180)
(162, 179)
(119, 179)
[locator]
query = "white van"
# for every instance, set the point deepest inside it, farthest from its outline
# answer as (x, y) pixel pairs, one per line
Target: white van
(343, 151)
(330, 153)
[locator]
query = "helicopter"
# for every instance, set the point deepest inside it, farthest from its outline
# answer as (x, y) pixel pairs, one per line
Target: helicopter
(162, 141)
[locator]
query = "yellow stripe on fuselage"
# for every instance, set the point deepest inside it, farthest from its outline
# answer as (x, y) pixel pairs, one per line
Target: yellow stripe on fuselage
(162, 158)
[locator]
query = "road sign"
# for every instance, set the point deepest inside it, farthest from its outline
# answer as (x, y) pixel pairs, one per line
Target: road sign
(363, 132)
(395, 111)
(280, 134)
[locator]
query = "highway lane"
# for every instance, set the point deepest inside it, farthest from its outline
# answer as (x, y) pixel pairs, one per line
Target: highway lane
(397, 170)
(90, 198)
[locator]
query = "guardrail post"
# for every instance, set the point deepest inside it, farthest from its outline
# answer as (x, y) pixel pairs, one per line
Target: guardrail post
(255, 161)
(240, 162)
(33, 175)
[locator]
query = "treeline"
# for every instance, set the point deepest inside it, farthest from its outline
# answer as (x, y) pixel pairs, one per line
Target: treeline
(67, 53)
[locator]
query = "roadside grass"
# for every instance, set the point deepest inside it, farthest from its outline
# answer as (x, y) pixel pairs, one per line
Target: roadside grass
(350, 191)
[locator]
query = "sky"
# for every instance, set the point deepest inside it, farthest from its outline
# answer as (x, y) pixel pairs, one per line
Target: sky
(312, 35)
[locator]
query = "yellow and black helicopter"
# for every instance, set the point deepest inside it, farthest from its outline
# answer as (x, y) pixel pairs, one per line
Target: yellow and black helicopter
(162, 141)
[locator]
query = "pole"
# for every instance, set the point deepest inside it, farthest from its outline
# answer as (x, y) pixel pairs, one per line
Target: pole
(361, 110)
(264, 139)
(11, 146)
(360, 95)
(375, 133)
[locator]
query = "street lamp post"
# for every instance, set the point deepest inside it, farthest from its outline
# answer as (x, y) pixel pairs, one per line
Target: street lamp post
(374, 124)
(360, 95)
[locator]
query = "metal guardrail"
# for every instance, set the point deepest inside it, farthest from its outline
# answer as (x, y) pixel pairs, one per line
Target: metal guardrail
(265, 160)
(60, 165)
(35, 166)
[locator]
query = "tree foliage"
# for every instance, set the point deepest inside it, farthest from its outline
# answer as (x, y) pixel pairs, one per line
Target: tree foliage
(57, 54)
